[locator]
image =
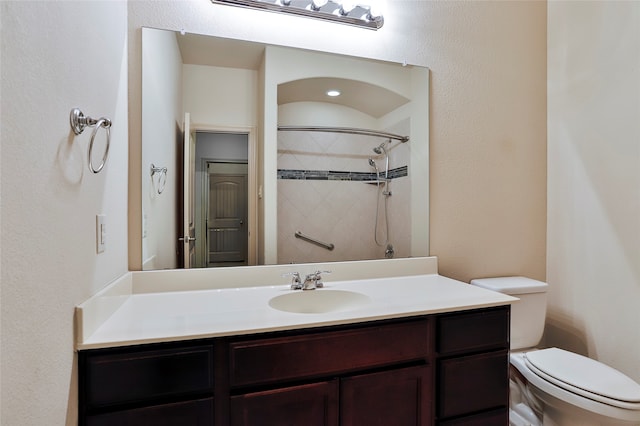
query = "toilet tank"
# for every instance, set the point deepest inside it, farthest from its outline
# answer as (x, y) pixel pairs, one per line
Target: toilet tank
(527, 314)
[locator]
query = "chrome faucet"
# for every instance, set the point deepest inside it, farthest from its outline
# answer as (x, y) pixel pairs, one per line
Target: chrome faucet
(296, 284)
(314, 280)
(311, 281)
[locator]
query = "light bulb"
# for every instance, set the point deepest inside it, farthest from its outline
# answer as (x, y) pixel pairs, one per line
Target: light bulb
(346, 7)
(317, 4)
(333, 93)
(375, 9)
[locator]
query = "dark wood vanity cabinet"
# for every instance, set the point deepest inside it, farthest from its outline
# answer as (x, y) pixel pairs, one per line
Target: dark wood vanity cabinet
(412, 371)
(378, 374)
(396, 397)
(472, 368)
(309, 404)
(167, 384)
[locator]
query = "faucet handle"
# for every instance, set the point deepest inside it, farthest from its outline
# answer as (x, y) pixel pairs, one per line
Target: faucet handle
(296, 283)
(318, 278)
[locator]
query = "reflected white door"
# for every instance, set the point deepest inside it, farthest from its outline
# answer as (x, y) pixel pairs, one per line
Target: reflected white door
(227, 220)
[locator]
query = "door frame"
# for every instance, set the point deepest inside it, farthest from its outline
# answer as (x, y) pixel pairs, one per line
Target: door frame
(186, 214)
(252, 181)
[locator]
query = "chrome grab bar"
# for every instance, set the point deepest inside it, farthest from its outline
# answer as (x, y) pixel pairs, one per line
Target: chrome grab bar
(300, 235)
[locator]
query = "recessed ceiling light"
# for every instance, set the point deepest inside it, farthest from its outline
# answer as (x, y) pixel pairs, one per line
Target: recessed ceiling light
(333, 93)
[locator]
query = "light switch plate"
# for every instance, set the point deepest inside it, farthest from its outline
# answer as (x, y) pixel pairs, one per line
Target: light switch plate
(101, 232)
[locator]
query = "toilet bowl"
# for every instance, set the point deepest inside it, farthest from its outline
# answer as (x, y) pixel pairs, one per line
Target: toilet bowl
(575, 390)
(555, 387)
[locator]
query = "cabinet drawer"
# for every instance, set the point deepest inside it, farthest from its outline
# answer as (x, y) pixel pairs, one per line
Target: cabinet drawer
(324, 353)
(473, 383)
(192, 413)
(472, 331)
(142, 375)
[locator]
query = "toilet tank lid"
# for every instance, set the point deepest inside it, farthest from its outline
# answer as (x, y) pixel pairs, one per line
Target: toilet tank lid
(511, 285)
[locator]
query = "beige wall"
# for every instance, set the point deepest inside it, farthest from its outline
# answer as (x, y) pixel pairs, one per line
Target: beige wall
(56, 56)
(594, 181)
(488, 137)
(487, 148)
(163, 117)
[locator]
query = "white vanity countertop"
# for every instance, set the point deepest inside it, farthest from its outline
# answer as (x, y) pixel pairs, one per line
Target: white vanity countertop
(184, 315)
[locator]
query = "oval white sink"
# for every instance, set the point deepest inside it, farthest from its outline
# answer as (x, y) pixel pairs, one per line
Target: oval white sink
(319, 301)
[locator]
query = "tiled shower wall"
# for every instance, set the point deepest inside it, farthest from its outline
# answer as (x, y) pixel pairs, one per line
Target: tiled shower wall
(327, 191)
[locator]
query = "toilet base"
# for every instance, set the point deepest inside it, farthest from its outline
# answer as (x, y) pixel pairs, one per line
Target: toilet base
(524, 410)
(518, 418)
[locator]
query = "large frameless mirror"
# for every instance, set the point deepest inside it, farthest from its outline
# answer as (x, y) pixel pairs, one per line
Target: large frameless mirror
(248, 159)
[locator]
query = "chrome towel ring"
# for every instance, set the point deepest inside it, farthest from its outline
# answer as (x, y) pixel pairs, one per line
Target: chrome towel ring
(162, 179)
(78, 123)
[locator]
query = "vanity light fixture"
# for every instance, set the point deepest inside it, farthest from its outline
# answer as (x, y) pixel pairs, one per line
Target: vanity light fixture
(331, 10)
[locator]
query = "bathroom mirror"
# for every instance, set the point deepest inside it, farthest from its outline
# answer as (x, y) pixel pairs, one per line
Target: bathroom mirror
(246, 160)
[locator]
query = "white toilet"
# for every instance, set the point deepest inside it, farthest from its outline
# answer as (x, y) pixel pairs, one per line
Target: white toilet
(554, 387)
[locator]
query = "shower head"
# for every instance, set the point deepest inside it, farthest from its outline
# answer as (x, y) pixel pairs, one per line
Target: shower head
(373, 164)
(380, 148)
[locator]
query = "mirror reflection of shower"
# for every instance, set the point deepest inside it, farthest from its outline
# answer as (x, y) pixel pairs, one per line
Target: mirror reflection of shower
(382, 197)
(328, 179)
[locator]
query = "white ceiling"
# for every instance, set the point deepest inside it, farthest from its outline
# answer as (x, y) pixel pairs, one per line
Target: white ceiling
(373, 100)
(220, 52)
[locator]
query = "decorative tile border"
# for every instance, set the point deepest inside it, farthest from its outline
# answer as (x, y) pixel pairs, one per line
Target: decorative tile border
(333, 175)
(398, 172)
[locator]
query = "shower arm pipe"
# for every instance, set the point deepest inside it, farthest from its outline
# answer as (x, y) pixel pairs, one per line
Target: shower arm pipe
(350, 130)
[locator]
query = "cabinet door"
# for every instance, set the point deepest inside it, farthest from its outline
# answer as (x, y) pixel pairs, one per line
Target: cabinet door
(192, 413)
(306, 405)
(492, 418)
(398, 397)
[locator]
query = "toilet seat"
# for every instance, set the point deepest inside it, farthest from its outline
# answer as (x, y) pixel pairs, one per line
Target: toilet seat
(600, 383)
